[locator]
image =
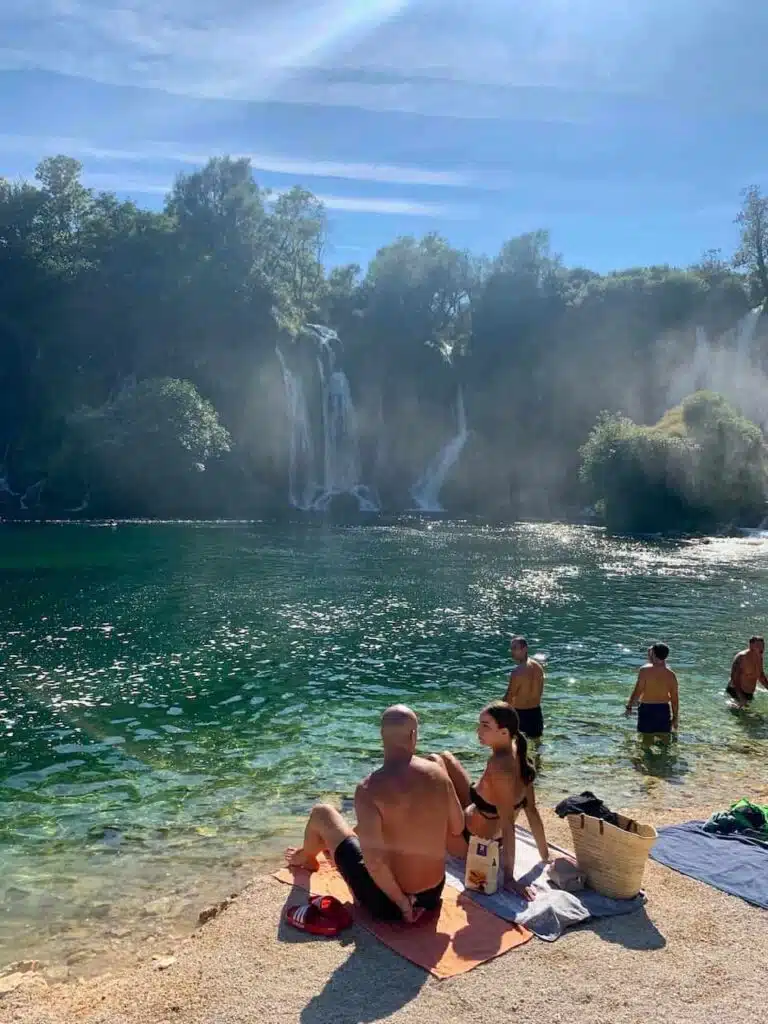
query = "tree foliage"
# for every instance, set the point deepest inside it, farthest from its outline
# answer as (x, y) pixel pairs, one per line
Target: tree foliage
(702, 464)
(145, 441)
(115, 319)
(752, 254)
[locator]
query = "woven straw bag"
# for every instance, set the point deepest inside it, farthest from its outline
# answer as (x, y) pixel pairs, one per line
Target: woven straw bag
(612, 858)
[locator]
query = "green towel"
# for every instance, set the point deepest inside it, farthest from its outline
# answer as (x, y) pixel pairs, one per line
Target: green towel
(744, 817)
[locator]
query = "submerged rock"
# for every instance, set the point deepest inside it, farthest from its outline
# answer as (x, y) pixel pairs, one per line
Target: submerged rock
(10, 982)
(210, 912)
(57, 975)
(29, 979)
(20, 967)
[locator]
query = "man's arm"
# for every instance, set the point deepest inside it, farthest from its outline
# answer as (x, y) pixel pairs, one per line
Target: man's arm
(371, 834)
(735, 680)
(637, 692)
(455, 810)
(674, 699)
(539, 681)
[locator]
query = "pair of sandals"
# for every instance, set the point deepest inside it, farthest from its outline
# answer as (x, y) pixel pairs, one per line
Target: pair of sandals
(322, 915)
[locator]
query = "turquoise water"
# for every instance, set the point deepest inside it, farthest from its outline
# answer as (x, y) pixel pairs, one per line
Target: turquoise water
(172, 696)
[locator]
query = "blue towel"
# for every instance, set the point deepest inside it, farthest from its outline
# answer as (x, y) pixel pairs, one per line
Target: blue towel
(727, 862)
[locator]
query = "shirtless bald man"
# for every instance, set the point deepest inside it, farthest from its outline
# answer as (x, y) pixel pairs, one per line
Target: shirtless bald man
(394, 861)
(526, 685)
(746, 672)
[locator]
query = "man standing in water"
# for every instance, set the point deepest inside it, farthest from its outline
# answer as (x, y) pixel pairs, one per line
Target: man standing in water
(746, 672)
(526, 685)
(656, 694)
(394, 861)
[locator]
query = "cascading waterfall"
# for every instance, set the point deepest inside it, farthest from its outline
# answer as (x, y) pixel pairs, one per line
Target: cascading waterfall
(426, 491)
(302, 483)
(728, 366)
(5, 487)
(340, 438)
(746, 330)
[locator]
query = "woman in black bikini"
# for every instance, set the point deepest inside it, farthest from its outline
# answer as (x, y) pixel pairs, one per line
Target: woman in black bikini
(503, 790)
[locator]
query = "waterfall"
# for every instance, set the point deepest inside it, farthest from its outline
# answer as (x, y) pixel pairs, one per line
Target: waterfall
(31, 497)
(340, 437)
(5, 487)
(728, 366)
(745, 332)
(301, 454)
(426, 491)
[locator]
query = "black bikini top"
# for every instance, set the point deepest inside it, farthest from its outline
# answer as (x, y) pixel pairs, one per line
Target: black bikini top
(489, 810)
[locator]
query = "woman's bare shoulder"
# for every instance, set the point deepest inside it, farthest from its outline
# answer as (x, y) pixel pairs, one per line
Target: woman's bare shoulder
(503, 766)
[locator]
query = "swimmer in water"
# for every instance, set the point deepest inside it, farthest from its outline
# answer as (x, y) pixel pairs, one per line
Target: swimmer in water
(746, 672)
(656, 694)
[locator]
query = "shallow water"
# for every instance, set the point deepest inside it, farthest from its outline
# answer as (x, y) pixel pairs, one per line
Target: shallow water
(172, 696)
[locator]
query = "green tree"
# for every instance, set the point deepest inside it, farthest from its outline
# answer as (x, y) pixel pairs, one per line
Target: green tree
(96, 293)
(701, 466)
(752, 254)
(143, 444)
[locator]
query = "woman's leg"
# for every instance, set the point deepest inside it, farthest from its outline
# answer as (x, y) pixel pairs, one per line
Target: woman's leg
(455, 845)
(457, 774)
(325, 829)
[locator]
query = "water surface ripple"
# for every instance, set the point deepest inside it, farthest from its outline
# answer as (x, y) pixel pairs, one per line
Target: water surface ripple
(173, 695)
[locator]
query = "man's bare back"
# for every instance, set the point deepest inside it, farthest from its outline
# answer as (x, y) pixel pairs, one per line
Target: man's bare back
(415, 804)
(657, 684)
(526, 684)
(394, 860)
(657, 694)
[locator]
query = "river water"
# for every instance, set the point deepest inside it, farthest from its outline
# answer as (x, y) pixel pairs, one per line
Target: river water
(173, 696)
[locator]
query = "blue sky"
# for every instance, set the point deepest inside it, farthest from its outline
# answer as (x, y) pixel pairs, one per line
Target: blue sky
(627, 129)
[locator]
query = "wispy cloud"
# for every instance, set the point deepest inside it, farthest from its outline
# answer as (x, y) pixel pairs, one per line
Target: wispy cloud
(385, 205)
(419, 56)
(503, 59)
(240, 48)
(402, 207)
(153, 152)
(132, 186)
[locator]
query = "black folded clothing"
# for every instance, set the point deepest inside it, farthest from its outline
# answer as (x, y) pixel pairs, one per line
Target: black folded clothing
(586, 803)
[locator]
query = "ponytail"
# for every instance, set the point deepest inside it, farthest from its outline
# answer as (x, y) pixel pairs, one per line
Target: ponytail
(527, 771)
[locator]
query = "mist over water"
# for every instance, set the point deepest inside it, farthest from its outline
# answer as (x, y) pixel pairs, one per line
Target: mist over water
(729, 365)
(174, 696)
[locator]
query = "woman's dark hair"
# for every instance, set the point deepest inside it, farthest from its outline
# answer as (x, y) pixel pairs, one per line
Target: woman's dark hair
(505, 716)
(661, 651)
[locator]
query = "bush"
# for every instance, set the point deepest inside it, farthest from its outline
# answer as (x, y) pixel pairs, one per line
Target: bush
(701, 466)
(141, 446)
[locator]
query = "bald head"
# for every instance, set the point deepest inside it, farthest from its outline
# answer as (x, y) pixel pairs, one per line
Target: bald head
(399, 728)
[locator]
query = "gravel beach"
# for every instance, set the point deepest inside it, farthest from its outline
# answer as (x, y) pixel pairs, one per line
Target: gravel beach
(694, 954)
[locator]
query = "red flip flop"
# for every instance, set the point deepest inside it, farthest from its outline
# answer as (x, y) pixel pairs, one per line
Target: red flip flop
(323, 915)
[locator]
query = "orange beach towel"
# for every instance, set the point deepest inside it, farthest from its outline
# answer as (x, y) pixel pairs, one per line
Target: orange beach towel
(457, 939)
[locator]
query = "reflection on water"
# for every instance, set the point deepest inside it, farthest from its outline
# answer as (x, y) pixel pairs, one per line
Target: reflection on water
(173, 696)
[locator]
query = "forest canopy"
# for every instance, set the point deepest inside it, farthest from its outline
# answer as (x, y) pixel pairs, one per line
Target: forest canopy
(140, 375)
